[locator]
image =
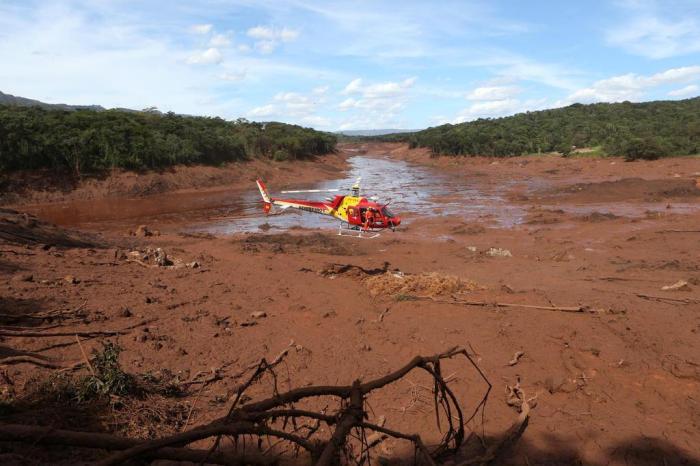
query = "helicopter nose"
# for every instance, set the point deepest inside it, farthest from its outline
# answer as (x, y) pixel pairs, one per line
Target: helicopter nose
(395, 221)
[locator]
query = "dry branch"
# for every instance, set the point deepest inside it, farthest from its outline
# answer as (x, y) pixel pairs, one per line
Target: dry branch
(88, 334)
(50, 436)
(277, 417)
(27, 359)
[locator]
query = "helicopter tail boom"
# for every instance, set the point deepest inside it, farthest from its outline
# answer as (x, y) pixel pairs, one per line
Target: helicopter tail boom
(263, 191)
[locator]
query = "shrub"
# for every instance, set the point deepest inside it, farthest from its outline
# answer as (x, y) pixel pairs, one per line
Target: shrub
(643, 149)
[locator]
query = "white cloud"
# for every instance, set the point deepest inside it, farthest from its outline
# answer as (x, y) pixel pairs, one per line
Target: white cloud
(295, 107)
(288, 35)
(263, 111)
(266, 47)
(207, 57)
(687, 91)
(261, 32)
(654, 30)
(374, 104)
(316, 121)
(269, 38)
(270, 33)
(631, 86)
(220, 40)
(90, 56)
(243, 48)
(488, 109)
(498, 108)
(295, 104)
(347, 104)
(202, 28)
(493, 93)
(353, 86)
(320, 90)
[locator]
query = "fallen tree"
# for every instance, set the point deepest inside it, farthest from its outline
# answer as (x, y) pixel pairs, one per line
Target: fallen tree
(278, 418)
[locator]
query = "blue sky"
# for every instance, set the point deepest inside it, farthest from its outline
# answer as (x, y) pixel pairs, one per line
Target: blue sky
(349, 65)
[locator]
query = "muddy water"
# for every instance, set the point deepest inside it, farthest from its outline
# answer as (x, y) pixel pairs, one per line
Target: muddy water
(412, 191)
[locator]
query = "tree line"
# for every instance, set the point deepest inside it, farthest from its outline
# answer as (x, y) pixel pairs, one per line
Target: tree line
(634, 130)
(86, 140)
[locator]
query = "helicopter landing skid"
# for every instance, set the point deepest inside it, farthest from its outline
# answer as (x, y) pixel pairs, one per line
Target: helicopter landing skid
(356, 232)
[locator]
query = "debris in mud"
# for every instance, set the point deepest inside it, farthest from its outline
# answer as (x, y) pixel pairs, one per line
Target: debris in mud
(595, 217)
(468, 229)
(258, 315)
(680, 285)
(158, 257)
(516, 358)
(400, 285)
(23, 277)
(143, 231)
(355, 271)
(281, 243)
(424, 284)
(498, 252)
(71, 280)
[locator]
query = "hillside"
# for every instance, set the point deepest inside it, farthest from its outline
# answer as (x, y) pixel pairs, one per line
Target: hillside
(636, 130)
(8, 99)
(83, 140)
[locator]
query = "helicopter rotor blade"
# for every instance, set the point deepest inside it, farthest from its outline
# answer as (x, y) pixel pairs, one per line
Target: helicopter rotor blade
(310, 191)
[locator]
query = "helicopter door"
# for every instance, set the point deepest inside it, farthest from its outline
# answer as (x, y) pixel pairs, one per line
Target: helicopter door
(354, 216)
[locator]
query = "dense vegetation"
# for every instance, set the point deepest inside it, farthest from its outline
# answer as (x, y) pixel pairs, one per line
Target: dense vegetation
(646, 130)
(87, 140)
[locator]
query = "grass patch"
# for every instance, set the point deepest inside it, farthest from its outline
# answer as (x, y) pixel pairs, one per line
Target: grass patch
(108, 399)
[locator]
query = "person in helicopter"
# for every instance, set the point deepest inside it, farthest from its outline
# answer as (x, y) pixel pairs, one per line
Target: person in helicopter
(369, 219)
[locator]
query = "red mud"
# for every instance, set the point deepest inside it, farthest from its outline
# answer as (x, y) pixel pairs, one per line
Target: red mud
(616, 384)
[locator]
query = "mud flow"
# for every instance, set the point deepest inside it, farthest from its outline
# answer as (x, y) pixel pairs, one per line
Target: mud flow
(414, 191)
(408, 188)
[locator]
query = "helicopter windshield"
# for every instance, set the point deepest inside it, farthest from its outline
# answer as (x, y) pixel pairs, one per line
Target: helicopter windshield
(387, 213)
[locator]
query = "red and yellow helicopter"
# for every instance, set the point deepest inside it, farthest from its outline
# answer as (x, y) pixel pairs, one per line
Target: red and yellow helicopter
(357, 214)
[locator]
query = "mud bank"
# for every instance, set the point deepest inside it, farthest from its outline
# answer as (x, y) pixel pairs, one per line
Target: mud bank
(44, 187)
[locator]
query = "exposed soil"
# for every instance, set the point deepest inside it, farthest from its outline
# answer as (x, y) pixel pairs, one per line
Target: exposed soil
(37, 187)
(618, 383)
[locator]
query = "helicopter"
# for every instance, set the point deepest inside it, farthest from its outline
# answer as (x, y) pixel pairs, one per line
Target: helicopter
(357, 214)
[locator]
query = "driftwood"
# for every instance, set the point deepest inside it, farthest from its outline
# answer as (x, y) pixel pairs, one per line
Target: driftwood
(667, 299)
(50, 436)
(463, 302)
(277, 417)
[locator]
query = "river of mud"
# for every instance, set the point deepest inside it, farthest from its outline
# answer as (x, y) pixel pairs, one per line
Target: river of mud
(409, 189)
(413, 191)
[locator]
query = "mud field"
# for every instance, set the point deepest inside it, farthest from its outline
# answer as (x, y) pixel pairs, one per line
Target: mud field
(579, 278)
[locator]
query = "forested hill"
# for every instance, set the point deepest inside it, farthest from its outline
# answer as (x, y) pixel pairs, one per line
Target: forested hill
(634, 130)
(86, 140)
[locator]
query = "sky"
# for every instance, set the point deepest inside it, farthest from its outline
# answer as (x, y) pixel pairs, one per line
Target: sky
(349, 65)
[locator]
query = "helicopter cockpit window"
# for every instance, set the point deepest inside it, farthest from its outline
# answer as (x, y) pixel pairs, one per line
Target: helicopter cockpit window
(387, 213)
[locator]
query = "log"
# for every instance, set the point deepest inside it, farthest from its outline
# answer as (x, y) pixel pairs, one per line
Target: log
(49, 436)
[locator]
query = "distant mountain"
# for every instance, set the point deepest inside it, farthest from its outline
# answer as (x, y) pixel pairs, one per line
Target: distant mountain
(7, 99)
(375, 132)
